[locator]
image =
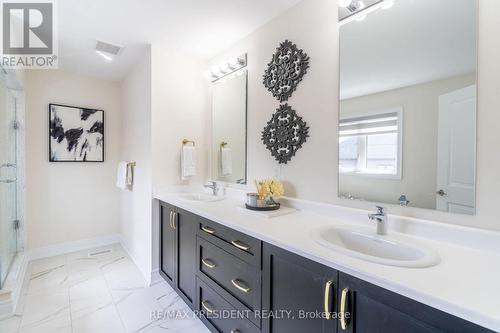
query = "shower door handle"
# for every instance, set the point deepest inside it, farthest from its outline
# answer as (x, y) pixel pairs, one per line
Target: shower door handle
(7, 165)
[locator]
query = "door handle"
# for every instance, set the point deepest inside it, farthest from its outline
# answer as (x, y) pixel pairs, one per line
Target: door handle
(208, 263)
(240, 245)
(207, 308)
(442, 193)
(239, 285)
(328, 287)
(174, 220)
(235, 331)
(343, 300)
(208, 230)
(171, 213)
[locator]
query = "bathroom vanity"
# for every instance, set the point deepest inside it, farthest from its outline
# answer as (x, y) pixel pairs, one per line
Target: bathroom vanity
(273, 277)
(324, 268)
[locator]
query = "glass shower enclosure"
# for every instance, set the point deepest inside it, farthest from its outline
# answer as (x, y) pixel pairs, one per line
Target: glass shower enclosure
(9, 175)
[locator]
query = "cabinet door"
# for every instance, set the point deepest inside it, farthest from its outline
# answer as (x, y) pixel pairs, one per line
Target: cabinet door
(168, 241)
(297, 291)
(376, 310)
(185, 225)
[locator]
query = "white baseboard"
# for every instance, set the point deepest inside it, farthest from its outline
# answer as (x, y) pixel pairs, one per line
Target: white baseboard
(21, 276)
(63, 248)
(155, 276)
(145, 275)
(15, 284)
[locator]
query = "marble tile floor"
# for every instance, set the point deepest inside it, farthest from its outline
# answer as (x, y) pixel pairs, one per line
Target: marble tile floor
(97, 290)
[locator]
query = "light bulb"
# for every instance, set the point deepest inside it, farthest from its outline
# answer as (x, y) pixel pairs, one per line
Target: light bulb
(388, 4)
(215, 70)
(233, 62)
(344, 3)
(105, 56)
(224, 68)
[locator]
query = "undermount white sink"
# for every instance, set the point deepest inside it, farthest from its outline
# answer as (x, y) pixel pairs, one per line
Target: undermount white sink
(392, 250)
(201, 197)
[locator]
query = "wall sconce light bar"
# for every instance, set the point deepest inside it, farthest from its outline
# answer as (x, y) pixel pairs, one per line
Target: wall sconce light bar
(227, 67)
(358, 9)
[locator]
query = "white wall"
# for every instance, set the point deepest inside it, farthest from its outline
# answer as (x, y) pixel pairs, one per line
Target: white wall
(420, 129)
(69, 201)
(312, 174)
(179, 110)
(136, 205)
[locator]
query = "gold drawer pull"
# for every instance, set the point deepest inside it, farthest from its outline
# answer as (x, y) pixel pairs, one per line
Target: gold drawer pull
(240, 245)
(238, 284)
(208, 263)
(208, 230)
(235, 331)
(174, 220)
(328, 287)
(207, 307)
(343, 301)
(171, 213)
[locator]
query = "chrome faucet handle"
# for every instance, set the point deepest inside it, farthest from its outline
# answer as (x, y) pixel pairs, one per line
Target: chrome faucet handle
(380, 210)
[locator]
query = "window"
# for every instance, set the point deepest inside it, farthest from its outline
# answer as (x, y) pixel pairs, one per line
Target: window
(371, 144)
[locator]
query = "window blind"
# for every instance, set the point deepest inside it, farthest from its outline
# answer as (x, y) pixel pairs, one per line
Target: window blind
(376, 124)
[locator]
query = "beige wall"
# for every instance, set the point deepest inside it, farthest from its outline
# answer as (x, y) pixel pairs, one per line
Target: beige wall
(312, 174)
(69, 201)
(136, 205)
(420, 129)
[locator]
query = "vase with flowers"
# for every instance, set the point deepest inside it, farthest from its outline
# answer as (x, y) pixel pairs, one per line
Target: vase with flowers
(269, 190)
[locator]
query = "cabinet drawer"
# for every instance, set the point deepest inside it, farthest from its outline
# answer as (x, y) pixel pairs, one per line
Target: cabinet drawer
(243, 246)
(219, 315)
(241, 280)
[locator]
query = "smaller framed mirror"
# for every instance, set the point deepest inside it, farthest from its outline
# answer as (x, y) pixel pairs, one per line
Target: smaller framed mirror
(229, 128)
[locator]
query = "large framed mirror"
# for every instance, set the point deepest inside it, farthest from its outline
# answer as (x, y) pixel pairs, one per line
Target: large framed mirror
(229, 128)
(407, 127)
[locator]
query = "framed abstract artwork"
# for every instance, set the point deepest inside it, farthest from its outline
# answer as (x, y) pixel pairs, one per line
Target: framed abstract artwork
(75, 134)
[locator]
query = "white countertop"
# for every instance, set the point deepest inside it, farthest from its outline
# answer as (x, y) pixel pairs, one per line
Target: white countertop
(465, 284)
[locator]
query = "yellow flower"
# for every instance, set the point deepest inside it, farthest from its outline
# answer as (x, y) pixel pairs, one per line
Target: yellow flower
(276, 188)
(269, 187)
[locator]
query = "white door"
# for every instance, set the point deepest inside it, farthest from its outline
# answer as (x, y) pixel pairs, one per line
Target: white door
(456, 162)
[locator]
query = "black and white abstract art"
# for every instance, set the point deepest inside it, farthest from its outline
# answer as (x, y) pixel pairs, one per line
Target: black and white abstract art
(75, 134)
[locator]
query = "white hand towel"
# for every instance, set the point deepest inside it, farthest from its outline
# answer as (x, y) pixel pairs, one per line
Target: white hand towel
(226, 161)
(121, 175)
(188, 162)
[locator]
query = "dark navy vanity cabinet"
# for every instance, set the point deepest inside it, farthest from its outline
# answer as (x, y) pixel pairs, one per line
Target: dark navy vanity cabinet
(220, 271)
(178, 250)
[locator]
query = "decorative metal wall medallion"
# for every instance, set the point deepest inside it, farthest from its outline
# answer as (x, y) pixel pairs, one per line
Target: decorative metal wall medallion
(285, 133)
(286, 70)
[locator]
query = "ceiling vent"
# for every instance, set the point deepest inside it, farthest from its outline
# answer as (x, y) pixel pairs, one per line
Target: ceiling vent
(107, 48)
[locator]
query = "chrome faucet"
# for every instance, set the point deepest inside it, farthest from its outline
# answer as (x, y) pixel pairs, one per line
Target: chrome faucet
(403, 200)
(212, 185)
(381, 218)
